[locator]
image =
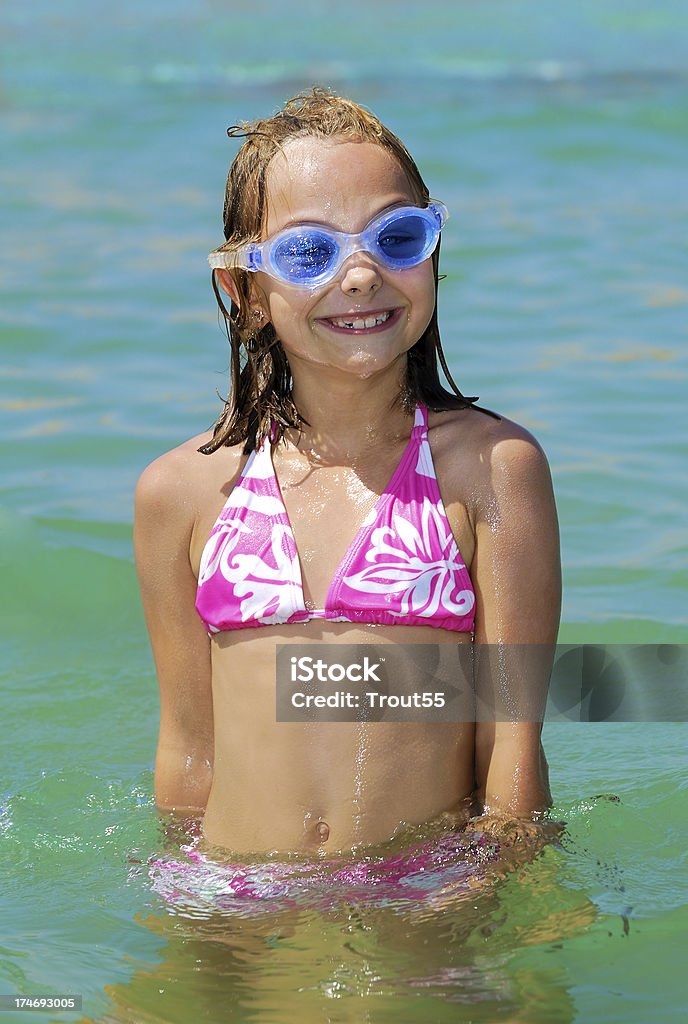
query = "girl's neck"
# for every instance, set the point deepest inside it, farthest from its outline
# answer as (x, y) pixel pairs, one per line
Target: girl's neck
(346, 415)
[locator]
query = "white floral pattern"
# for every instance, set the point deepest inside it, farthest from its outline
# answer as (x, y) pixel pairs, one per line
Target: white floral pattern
(415, 566)
(268, 593)
(265, 591)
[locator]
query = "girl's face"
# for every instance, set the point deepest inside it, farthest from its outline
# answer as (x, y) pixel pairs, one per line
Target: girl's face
(343, 185)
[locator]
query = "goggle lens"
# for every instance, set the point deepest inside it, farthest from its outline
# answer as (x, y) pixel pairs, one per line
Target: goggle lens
(304, 255)
(405, 239)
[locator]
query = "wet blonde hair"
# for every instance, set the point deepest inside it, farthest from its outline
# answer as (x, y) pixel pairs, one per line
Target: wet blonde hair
(260, 401)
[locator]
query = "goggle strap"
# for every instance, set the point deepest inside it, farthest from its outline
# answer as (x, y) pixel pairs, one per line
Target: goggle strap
(246, 258)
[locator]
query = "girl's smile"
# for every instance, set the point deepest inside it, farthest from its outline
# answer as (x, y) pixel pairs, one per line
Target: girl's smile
(359, 322)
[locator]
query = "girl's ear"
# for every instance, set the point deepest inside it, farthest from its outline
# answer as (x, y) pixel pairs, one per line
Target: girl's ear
(227, 285)
(258, 300)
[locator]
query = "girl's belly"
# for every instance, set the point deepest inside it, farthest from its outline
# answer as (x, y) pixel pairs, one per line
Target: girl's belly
(323, 785)
(338, 786)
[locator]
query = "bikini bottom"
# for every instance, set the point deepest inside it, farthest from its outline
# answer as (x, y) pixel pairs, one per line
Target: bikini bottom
(451, 862)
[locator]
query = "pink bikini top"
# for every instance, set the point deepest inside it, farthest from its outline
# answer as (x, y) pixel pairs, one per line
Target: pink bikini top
(403, 567)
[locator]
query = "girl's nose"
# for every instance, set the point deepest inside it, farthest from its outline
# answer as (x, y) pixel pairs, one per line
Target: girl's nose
(361, 275)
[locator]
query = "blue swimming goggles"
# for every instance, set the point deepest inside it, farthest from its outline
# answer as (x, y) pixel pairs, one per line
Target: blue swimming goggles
(310, 255)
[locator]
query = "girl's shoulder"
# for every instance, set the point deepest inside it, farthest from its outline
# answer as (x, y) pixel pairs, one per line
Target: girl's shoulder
(177, 484)
(478, 432)
(478, 452)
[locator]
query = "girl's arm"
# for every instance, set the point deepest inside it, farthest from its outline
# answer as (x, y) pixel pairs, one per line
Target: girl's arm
(163, 523)
(517, 578)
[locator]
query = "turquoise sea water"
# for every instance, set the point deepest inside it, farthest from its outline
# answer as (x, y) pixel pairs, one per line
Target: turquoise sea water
(558, 137)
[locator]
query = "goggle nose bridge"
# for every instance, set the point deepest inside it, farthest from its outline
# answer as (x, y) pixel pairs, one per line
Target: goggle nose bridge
(350, 248)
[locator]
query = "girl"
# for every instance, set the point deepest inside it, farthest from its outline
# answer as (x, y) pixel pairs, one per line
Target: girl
(344, 496)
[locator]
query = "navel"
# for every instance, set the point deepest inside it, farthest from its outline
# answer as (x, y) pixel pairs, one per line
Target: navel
(322, 830)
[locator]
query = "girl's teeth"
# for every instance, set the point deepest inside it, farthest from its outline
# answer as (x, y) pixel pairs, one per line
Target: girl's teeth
(359, 325)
